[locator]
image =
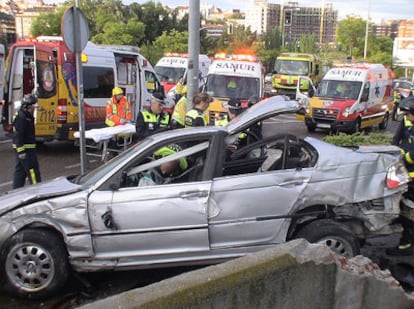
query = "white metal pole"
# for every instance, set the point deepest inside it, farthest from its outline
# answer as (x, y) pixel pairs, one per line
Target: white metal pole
(366, 31)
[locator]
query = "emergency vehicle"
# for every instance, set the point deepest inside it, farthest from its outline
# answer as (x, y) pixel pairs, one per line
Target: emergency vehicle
(174, 66)
(351, 96)
(46, 67)
(288, 68)
(233, 76)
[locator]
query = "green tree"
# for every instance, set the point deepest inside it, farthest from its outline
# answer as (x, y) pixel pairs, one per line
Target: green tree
(155, 17)
(307, 44)
(130, 33)
(48, 23)
(380, 50)
(173, 41)
(351, 36)
(268, 48)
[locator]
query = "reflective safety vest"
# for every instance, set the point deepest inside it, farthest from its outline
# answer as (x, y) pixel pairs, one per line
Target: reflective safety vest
(115, 111)
(408, 146)
(153, 121)
(192, 116)
(180, 110)
(222, 121)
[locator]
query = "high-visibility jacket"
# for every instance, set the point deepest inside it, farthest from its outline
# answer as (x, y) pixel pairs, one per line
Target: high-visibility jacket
(178, 116)
(408, 146)
(195, 118)
(115, 111)
(148, 123)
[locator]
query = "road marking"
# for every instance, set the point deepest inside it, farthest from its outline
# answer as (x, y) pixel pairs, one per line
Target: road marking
(6, 183)
(72, 166)
(282, 119)
(77, 165)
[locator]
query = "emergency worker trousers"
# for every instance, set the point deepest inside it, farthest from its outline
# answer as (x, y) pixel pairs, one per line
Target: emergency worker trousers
(26, 168)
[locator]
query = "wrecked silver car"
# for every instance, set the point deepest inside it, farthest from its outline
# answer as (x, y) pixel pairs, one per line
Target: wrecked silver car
(222, 204)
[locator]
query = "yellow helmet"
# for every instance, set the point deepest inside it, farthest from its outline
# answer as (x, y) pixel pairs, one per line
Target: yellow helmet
(117, 90)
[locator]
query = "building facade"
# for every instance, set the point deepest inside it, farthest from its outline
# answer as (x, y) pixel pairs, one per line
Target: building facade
(293, 20)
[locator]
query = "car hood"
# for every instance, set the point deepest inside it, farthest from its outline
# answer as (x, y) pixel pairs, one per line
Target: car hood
(23, 196)
(265, 109)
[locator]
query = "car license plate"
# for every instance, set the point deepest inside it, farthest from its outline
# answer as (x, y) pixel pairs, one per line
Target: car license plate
(323, 125)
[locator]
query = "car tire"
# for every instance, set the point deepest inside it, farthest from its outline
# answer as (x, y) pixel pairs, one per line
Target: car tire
(335, 235)
(357, 126)
(34, 264)
(384, 124)
(311, 128)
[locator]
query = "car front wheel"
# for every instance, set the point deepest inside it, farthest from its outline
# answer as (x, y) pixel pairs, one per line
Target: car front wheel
(332, 234)
(34, 263)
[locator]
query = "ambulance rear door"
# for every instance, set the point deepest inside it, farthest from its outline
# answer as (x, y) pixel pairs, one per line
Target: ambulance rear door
(45, 76)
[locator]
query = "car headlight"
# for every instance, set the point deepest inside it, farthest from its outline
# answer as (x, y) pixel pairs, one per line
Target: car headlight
(345, 112)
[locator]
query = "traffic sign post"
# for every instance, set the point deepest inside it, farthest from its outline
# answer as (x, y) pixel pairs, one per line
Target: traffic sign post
(74, 22)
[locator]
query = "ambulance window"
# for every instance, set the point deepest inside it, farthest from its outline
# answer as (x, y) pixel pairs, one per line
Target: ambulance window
(365, 94)
(151, 82)
(97, 82)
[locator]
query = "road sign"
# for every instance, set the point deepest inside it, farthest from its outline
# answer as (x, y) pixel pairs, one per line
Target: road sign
(74, 22)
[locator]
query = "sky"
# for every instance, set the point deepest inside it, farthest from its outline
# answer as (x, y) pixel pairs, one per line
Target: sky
(379, 10)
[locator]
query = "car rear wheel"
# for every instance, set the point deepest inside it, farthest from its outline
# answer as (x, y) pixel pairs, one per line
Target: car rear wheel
(34, 263)
(336, 236)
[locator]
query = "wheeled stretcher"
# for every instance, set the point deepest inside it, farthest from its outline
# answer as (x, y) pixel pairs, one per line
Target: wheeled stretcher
(107, 140)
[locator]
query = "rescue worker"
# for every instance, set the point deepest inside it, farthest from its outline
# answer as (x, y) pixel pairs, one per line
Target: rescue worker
(196, 117)
(232, 88)
(24, 142)
(166, 172)
(404, 138)
(152, 120)
(118, 109)
(257, 128)
(179, 87)
(234, 108)
(180, 109)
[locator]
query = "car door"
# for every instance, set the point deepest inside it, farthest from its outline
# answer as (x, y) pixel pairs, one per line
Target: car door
(253, 209)
(158, 222)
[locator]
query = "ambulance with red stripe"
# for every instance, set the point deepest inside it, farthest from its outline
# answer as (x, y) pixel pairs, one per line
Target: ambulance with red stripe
(238, 76)
(350, 97)
(174, 66)
(46, 67)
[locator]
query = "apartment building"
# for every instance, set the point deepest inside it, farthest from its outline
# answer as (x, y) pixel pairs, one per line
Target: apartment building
(293, 20)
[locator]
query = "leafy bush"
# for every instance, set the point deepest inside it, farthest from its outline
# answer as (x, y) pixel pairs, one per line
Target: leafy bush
(358, 139)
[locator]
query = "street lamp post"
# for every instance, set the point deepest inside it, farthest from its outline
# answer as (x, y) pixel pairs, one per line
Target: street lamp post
(366, 31)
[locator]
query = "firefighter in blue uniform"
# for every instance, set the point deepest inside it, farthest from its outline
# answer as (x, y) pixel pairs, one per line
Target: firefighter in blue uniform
(404, 138)
(24, 143)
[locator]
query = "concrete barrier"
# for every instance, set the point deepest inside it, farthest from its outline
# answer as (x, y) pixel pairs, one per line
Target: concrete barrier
(292, 275)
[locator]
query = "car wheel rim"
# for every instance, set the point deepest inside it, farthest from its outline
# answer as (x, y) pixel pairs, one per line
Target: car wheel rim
(338, 245)
(29, 267)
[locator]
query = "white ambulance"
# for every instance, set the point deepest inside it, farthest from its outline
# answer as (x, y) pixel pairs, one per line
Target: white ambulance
(350, 97)
(46, 67)
(233, 76)
(174, 66)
